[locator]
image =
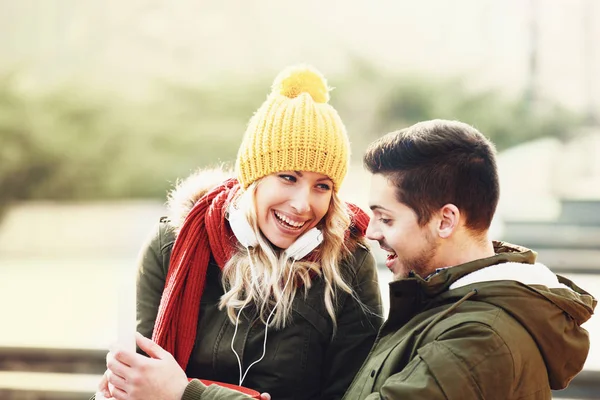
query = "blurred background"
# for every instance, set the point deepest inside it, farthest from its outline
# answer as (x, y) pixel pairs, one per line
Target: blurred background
(105, 104)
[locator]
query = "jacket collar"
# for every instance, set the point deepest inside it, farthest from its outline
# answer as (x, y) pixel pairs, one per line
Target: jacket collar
(440, 281)
(408, 295)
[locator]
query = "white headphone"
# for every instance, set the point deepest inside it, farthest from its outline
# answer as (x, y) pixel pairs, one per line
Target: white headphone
(237, 321)
(244, 233)
(247, 237)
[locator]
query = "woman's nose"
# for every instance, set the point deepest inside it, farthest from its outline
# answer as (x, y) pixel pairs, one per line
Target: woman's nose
(301, 202)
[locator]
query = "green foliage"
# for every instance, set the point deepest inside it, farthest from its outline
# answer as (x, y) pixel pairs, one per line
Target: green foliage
(25, 162)
(506, 122)
(75, 144)
(69, 144)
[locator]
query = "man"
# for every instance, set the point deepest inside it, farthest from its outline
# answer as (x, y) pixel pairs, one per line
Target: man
(469, 318)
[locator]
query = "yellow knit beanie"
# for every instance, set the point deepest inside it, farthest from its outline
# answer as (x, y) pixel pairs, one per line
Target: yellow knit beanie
(295, 129)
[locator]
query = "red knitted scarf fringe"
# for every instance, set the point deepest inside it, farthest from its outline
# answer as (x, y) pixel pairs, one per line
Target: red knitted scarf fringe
(204, 232)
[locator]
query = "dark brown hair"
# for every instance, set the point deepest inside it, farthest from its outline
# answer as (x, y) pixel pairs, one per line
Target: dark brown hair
(437, 162)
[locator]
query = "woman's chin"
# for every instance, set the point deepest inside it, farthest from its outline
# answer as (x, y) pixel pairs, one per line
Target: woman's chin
(280, 244)
(280, 237)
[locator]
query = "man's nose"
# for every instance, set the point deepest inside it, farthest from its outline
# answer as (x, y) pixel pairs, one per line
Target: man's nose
(372, 232)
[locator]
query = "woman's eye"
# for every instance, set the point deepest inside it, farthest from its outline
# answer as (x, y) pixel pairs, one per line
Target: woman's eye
(289, 178)
(385, 221)
(324, 186)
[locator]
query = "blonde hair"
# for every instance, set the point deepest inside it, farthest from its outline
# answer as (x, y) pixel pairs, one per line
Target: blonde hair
(257, 276)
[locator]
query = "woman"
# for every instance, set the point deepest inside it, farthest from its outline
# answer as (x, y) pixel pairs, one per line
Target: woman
(262, 281)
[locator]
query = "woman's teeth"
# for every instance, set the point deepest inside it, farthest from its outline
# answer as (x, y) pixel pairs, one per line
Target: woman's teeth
(287, 221)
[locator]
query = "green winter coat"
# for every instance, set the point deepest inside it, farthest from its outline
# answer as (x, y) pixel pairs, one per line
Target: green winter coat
(496, 328)
(305, 360)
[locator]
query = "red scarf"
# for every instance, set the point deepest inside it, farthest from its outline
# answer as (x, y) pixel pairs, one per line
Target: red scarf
(205, 231)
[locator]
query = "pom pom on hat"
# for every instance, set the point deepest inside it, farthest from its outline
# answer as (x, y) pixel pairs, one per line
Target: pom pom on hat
(293, 81)
(295, 129)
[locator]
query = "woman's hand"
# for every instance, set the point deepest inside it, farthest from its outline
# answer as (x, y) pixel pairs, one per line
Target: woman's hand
(136, 377)
(132, 376)
(103, 386)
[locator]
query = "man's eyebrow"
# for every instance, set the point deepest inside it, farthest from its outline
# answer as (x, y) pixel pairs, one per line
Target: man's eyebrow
(376, 207)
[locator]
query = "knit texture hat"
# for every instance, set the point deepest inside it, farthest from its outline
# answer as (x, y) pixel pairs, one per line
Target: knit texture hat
(295, 129)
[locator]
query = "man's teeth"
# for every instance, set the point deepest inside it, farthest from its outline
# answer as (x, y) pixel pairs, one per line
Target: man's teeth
(390, 252)
(289, 221)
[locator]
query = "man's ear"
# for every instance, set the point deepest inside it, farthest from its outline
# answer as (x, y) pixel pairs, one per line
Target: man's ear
(449, 218)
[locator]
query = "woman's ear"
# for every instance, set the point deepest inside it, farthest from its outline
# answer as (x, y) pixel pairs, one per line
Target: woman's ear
(449, 220)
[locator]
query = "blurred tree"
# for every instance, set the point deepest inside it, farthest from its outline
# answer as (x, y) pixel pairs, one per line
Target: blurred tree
(25, 163)
(76, 144)
(507, 122)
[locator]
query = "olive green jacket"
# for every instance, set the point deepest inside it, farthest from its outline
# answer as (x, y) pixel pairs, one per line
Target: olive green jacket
(305, 360)
(496, 328)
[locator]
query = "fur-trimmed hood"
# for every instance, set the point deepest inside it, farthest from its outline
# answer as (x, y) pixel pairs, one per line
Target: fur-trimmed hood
(188, 191)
